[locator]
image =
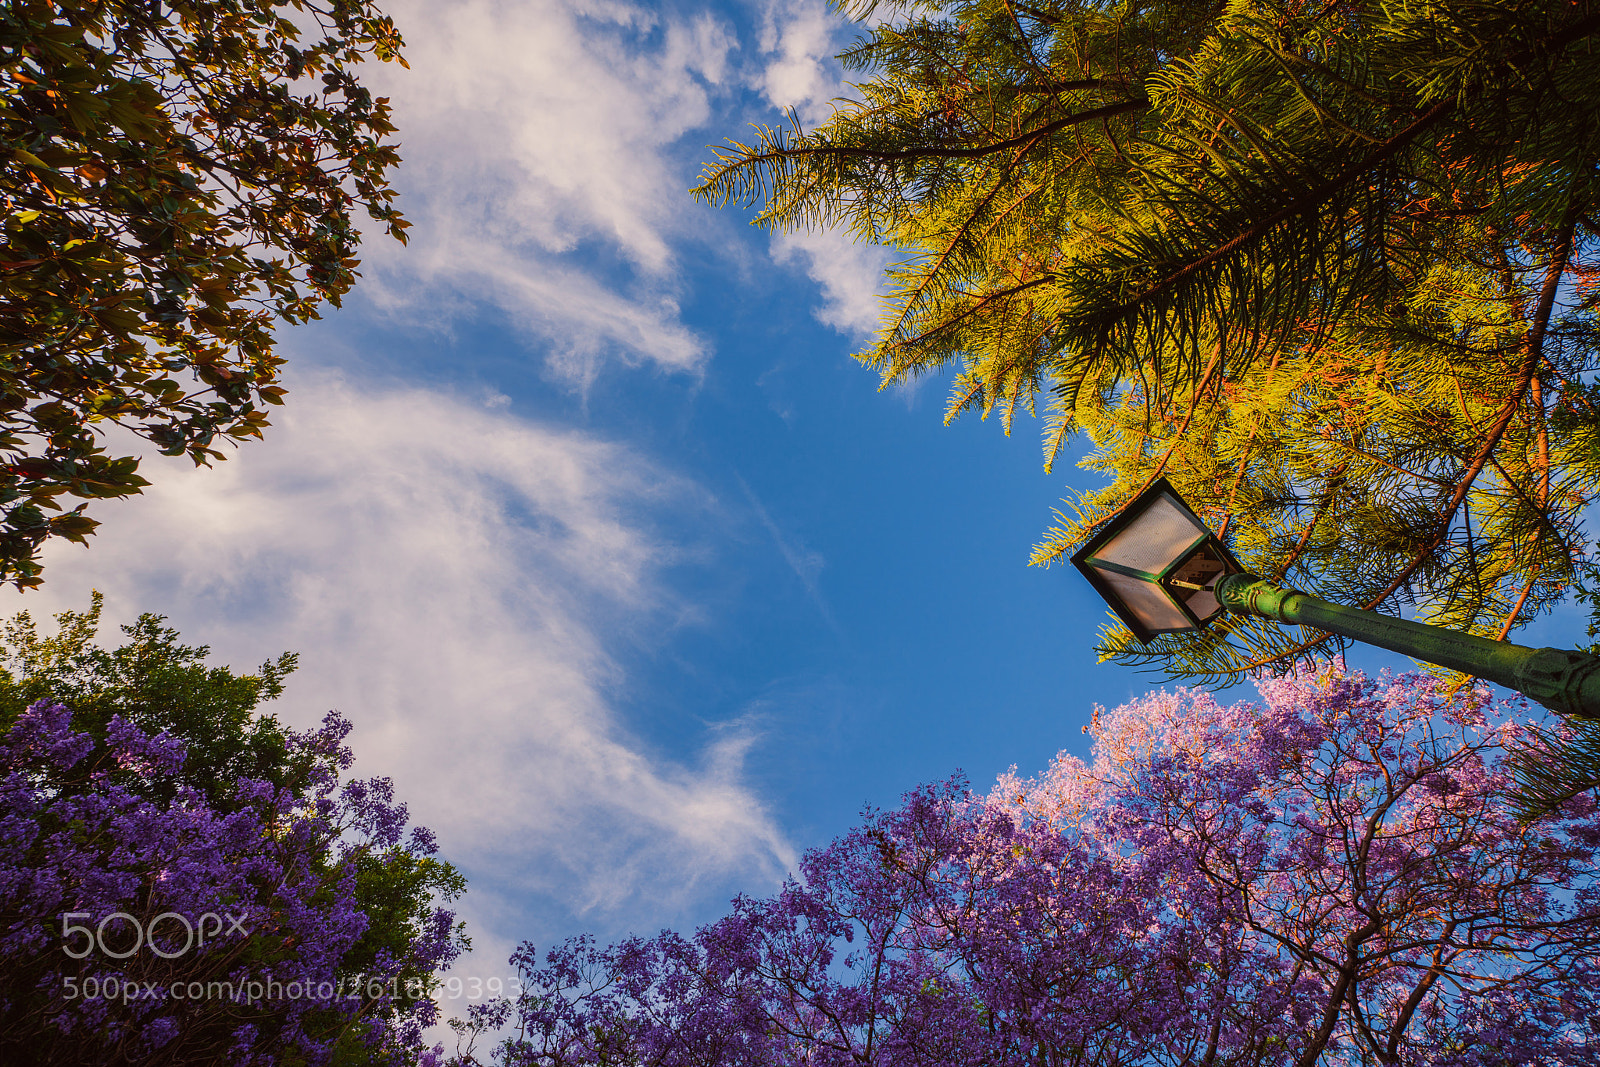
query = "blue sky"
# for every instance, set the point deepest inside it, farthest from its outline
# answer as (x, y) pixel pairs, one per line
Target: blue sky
(580, 510)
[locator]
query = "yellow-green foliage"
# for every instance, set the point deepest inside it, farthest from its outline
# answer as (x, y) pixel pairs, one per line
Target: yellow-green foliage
(1324, 265)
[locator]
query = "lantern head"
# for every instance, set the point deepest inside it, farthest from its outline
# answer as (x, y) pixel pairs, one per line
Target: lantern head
(1157, 565)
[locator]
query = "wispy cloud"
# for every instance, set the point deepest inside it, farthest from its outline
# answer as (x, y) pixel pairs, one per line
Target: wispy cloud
(798, 71)
(453, 578)
(798, 42)
(806, 563)
(851, 275)
(537, 137)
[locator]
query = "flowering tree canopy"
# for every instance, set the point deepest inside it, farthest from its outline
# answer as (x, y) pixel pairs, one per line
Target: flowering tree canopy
(1333, 875)
(159, 906)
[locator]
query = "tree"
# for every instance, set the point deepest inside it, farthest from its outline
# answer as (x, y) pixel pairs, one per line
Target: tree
(1326, 266)
(157, 684)
(176, 177)
(162, 790)
(1332, 876)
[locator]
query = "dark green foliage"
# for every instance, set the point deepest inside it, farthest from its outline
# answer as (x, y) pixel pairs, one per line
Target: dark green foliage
(158, 684)
(174, 177)
(394, 889)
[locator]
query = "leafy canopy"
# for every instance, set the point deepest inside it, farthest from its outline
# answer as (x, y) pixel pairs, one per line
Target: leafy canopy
(233, 766)
(175, 176)
(1327, 266)
(156, 683)
(1334, 875)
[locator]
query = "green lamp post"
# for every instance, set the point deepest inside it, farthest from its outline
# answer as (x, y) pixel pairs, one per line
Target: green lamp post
(1162, 570)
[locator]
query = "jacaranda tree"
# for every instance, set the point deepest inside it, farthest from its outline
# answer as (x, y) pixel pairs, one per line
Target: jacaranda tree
(186, 881)
(1328, 266)
(176, 177)
(1331, 876)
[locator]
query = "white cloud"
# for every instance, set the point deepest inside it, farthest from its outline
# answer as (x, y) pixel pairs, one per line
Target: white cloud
(535, 134)
(543, 170)
(799, 39)
(455, 580)
(798, 44)
(851, 275)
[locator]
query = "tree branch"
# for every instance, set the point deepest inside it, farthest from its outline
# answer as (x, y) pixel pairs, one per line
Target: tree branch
(1533, 355)
(1299, 205)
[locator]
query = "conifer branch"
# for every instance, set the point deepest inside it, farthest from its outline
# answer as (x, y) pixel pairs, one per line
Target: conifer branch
(749, 160)
(1299, 205)
(1324, 187)
(983, 301)
(1533, 356)
(911, 301)
(1511, 619)
(1335, 483)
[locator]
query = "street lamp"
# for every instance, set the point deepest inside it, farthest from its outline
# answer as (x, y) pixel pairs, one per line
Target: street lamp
(1156, 565)
(1163, 571)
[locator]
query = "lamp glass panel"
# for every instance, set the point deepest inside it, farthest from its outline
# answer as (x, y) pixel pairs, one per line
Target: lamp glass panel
(1154, 539)
(1204, 604)
(1147, 602)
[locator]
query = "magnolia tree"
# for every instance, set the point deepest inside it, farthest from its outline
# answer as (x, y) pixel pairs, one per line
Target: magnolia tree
(142, 922)
(1332, 875)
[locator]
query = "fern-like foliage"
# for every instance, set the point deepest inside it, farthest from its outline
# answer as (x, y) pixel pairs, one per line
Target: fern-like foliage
(1325, 266)
(1555, 765)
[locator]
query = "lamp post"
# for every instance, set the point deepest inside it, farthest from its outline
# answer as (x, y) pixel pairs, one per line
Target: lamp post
(1162, 570)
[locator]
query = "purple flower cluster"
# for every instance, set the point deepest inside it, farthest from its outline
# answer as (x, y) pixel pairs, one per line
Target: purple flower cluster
(1332, 876)
(269, 883)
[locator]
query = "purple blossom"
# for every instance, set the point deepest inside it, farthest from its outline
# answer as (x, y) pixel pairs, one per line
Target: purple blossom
(250, 913)
(1332, 875)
